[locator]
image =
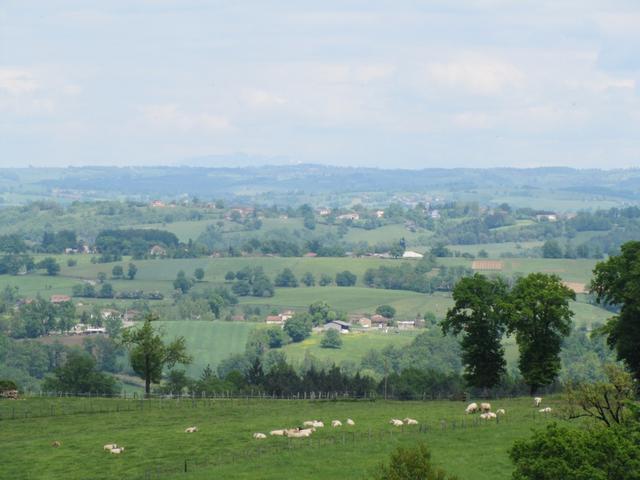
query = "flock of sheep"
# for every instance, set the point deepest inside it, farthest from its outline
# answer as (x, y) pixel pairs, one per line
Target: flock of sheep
(487, 414)
(310, 426)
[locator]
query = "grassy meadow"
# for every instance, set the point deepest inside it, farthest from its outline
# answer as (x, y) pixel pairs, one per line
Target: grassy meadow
(156, 446)
(208, 342)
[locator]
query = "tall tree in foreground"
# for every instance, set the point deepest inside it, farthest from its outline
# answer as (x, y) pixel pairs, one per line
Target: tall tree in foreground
(608, 449)
(149, 355)
(617, 282)
(540, 318)
(479, 314)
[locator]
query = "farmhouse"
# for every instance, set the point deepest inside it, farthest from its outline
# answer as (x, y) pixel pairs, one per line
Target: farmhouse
(274, 320)
(547, 217)
(379, 320)
(406, 324)
(81, 329)
(157, 251)
(340, 326)
(364, 322)
(60, 298)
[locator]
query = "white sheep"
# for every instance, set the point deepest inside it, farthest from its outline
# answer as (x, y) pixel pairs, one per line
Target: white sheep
(485, 407)
(537, 401)
(277, 433)
(117, 451)
(336, 423)
(318, 424)
(488, 416)
(259, 436)
(110, 446)
(545, 410)
(395, 422)
(501, 411)
(350, 422)
(410, 421)
(306, 432)
(191, 430)
(471, 408)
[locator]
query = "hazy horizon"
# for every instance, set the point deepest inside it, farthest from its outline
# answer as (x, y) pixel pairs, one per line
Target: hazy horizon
(478, 84)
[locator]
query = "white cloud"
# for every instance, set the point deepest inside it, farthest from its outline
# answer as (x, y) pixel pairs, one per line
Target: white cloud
(475, 75)
(171, 116)
(257, 98)
(473, 120)
(17, 81)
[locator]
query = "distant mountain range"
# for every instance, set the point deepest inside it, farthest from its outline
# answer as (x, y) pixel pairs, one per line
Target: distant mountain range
(248, 181)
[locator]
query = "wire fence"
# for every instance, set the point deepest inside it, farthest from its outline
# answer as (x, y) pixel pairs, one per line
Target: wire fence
(50, 404)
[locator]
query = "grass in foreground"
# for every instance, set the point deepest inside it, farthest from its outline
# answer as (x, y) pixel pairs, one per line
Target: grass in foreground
(155, 442)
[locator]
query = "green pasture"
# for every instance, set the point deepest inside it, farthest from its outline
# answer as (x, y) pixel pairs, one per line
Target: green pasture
(387, 234)
(359, 300)
(208, 342)
(495, 249)
(156, 446)
(570, 270)
(354, 345)
(187, 229)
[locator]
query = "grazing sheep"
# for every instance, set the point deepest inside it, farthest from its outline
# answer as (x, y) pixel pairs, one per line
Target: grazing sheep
(545, 410)
(350, 422)
(277, 433)
(56, 444)
(309, 423)
(117, 451)
(336, 423)
(485, 407)
(318, 424)
(410, 421)
(191, 430)
(501, 411)
(537, 401)
(259, 436)
(299, 433)
(488, 416)
(110, 446)
(395, 422)
(471, 408)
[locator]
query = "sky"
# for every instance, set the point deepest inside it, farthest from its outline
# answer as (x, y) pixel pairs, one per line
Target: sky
(380, 83)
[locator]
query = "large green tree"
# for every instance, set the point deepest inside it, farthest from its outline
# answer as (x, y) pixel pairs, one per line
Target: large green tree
(479, 316)
(540, 318)
(79, 375)
(149, 354)
(617, 282)
(299, 326)
(561, 452)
